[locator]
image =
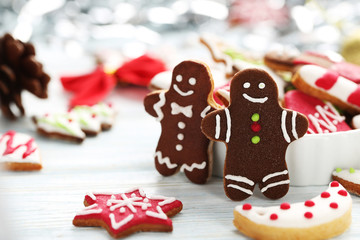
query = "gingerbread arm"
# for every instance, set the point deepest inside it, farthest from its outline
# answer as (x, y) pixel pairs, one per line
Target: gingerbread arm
(216, 125)
(293, 125)
(153, 103)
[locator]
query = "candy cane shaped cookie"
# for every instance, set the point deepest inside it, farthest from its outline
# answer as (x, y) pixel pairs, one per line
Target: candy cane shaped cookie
(322, 217)
(329, 86)
(257, 132)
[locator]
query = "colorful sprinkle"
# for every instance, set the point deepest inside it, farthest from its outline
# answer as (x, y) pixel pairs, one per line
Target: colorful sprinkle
(285, 206)
(334, 205)
(255, 117)
(334, 184)
(325, 195)
(351, 170)
(342, 193)
(273, 216)
(255, 139)
(70, 120)
(338, 170)
(247, 206)
(308, 215)
(309, 203)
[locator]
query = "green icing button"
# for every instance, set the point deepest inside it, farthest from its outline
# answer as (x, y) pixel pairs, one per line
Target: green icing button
(351, 170)
(255, 139)
(255, 117)
(338, 169)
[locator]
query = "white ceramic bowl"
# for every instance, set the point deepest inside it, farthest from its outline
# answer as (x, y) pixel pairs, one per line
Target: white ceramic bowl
(312, 159)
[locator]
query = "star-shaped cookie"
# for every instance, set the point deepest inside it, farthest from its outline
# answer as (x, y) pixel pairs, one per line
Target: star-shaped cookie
(122, 214)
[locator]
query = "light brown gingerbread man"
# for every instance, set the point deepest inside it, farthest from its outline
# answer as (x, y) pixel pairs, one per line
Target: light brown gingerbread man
(182, 146)
(257, 132)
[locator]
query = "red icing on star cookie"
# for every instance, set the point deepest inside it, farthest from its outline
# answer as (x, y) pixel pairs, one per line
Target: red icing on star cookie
(325, 195)
(323, 117)
(285, 206)
(308, 215)
(128, 212)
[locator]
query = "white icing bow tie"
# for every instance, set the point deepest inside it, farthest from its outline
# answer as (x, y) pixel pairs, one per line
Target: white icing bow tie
(176, 109)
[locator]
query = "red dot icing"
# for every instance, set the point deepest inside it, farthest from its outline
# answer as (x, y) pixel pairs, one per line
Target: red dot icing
(309, 203)
(285, 206)
(93, 115)
(255, 127)
(334, 184)
(325, 194)
(273, 216)
(308, 215)
(109, 104)
(342, 193)
(70, 120)
(334, 205)
(247, 206)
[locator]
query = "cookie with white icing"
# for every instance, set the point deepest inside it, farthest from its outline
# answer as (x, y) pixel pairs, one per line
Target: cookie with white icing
(105, 113)
(89, 122)
(257, 132)
(328, 86)
(122, 214)
(322, 217)
(349, 178)
(19, 152)
(180, 110)
(59, 126)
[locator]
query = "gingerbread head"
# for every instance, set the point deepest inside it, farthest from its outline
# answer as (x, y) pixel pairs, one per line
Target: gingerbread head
(257, 131)
(182, 146)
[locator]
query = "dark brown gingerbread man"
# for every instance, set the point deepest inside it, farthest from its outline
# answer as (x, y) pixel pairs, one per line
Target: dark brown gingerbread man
(257, 132)
(182, 146)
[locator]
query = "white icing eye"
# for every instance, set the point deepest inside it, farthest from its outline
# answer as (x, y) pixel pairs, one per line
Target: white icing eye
(179, 78)
(261, 85)
(192, 81)
(246, 85)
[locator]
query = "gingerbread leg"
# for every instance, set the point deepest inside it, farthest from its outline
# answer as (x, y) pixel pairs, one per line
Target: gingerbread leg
(164, 165)
(275, 185)
(196, 173)
(238, 187)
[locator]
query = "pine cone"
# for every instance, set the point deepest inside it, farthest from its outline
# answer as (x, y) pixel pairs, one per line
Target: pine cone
(19, 71)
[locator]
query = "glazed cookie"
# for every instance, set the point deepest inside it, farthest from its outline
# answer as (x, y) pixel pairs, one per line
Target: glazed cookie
(349, 178)
(257, 132)
(105, 114)
(328, 86)
(290, 60)
(122, 214)
(19, 152)
(89, 122)
(59, 126)
(180, 110)
(322, 217)
(323, 117)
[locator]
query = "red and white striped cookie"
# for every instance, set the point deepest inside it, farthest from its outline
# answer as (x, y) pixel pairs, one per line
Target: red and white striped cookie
(322, 217)
(329, 86)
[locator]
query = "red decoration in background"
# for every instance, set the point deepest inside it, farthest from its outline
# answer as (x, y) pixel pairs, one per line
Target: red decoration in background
(140, 71)
(91, 88)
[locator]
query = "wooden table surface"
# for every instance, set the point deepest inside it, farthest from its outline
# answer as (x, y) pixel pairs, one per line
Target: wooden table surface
(41, 205)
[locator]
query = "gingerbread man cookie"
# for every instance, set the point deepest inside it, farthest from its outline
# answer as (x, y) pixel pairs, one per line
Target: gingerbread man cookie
(180, 110)
(257, 132)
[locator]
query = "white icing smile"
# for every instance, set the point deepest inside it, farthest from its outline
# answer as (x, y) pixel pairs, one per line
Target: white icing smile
(184, 94)
(255, 100)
